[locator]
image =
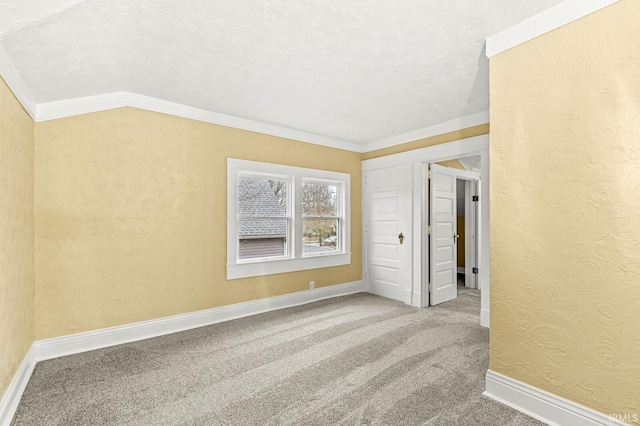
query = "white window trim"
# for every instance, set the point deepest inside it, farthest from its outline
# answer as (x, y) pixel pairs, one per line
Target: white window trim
(243, 269)
(340, 210)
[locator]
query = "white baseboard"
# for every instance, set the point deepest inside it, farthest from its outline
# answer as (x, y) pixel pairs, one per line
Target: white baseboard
(11, 398)
(484, 317)
(82, 342)
(542, 405)
(97, 339)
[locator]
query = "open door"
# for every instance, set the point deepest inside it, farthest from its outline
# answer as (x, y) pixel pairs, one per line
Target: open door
(443, 270)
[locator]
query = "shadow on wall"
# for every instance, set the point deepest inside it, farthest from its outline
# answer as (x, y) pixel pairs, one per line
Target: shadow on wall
(480, 89)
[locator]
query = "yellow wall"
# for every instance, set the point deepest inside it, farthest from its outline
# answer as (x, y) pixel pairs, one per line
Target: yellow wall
(455, 164)
(468, 132)
(131, 218)
(565, 203)
(16, 235)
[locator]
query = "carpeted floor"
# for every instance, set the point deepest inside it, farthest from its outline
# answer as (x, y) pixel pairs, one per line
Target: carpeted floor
(353, 360)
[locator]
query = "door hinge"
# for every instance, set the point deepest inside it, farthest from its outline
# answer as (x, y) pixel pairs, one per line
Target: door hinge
(475, 198)
(475, 271)
(429, 230)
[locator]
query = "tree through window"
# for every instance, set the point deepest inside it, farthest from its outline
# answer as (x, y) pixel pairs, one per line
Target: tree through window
(283, 218)
(320, 217)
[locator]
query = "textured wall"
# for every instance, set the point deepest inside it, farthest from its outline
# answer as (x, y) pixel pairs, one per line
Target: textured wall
(565, 203)
(16, 235)
(131, 218)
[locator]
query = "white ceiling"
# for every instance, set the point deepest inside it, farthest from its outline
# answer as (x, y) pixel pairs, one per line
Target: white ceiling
(358, 71)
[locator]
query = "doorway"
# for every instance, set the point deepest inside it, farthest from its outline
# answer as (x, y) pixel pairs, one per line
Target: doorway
(468, 205)
(416, 238)
(448, 216)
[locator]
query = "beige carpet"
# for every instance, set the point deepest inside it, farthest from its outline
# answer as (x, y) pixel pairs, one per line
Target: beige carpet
(354, 360)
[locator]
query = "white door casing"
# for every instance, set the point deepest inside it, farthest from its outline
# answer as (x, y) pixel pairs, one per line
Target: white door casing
(443, 270)
(388, 212)
(470, 230)
(420, 158)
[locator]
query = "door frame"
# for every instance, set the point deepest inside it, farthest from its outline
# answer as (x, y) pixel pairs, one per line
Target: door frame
(470, 230)
(469, 178)
(478, 145)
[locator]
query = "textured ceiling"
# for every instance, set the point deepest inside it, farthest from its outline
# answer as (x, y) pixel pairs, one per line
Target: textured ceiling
(357, 71)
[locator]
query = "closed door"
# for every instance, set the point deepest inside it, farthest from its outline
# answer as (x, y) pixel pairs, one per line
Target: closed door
(388, 204)
(443, 272)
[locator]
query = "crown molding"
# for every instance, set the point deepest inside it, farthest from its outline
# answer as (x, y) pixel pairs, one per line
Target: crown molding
(17, 85)
(545, 21)
(70, 107)
(438, 129)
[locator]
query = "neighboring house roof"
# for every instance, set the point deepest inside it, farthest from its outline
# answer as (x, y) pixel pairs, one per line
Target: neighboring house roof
(256, 198)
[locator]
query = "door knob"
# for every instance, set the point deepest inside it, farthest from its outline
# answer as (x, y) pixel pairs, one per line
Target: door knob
(401, 237)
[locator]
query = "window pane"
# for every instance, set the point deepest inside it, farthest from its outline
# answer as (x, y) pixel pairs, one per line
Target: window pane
(320, 236)
(262, 238)
(262, 197)
(319, 199)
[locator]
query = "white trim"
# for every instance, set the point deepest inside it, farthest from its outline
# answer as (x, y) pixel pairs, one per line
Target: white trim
(471, 231)
(91, 340)
(484, 315)
(542, 405)
(270, 267)
(441, 152)
(438, 129)
(76, 106)
(543, 22)
(11, 398)
(472, 167)
(478, 145)
(70, 107)
(53, 110)
(296, 261)
(420, 224)
(15, 82)
(56, 347)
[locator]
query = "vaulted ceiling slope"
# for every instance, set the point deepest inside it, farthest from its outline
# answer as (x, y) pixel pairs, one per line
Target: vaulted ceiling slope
(355, 71)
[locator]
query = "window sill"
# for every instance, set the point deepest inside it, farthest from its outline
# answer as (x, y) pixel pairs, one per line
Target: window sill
(270, 267)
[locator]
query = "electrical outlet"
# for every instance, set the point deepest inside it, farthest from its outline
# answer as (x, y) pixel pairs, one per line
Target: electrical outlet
(312, 285)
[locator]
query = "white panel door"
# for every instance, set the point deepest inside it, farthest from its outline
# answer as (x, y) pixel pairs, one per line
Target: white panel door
(388, 204)
(443, 270)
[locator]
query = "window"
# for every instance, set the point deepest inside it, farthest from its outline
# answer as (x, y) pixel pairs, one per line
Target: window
(320, 217)
(264, 217)
(283, 218)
